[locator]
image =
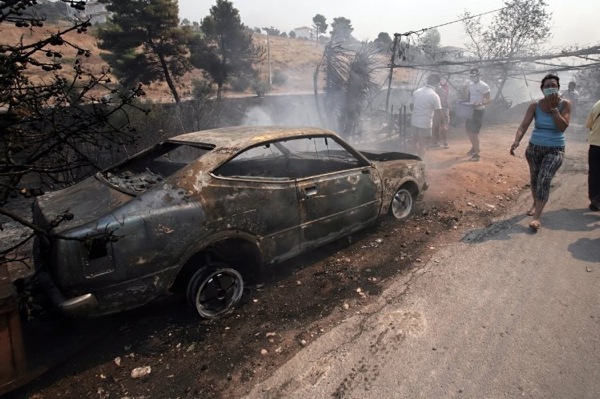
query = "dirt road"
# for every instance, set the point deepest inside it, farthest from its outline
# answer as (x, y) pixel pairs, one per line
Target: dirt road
(505, 312)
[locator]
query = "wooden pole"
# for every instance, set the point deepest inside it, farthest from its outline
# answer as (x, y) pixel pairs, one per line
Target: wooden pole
(392, 62)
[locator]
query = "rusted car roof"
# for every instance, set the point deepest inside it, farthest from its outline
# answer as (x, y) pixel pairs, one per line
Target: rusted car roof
(229, 141)
(233, 139)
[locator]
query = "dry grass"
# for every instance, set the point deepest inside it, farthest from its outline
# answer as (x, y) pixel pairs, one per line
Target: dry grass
(296, 59)
(13, 35)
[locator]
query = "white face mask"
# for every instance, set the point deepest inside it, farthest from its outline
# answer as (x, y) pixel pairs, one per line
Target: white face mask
(548, 91)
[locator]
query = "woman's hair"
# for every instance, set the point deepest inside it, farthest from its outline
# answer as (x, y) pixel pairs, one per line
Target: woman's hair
(548, 77)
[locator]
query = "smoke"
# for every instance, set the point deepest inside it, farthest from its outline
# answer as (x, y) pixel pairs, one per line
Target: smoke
(284, 110)
(256, 116)
(300, 110)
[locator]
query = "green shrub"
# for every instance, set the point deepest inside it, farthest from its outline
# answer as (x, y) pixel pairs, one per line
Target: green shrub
(279, 78)
(260, 88)
(239, 84)
(201, 90)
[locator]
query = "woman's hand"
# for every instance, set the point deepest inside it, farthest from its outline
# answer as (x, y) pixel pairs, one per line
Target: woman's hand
(513, 147)
(553, 100)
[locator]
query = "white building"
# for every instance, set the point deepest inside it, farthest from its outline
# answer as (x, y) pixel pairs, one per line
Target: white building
(94, 10)
(304, 32)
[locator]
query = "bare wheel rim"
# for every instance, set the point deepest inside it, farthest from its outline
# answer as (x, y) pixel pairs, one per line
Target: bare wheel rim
(402, 203)
(217, 292)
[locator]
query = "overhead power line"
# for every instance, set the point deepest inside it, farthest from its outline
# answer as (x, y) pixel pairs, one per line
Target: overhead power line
(594, 50)
(416, 32)
(398, 37)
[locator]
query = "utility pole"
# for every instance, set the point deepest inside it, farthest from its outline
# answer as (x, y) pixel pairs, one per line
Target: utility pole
(268, 30)
(392, 61)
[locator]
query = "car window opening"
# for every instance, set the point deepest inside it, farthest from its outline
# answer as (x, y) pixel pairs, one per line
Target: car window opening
(291, 159)
(142, 171)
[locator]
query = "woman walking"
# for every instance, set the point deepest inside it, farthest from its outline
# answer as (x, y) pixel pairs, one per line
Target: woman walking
(546, 148)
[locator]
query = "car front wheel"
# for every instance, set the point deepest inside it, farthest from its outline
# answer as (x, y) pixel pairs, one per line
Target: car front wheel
(214, 290)
(402, 204)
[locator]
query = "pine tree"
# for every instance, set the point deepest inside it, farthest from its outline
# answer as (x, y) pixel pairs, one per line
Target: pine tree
(226, 50)
(146, 43)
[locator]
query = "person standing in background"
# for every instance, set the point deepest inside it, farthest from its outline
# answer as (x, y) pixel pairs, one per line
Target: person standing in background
(593, 123)
(425, 106)
(573, 96)
(478, 93)
(442, 124)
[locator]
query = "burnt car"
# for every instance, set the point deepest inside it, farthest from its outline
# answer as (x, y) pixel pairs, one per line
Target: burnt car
(197, 213)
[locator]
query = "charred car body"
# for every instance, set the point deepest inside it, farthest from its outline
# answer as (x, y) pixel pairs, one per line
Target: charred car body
(197, 212)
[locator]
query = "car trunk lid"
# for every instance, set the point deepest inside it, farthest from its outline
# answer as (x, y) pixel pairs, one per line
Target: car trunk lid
(86, 201)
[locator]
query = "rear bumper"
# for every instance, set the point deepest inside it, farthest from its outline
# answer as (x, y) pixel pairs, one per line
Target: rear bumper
(80, 305)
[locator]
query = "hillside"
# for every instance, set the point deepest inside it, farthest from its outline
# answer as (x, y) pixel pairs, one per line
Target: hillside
(296, 59)
(293, 57)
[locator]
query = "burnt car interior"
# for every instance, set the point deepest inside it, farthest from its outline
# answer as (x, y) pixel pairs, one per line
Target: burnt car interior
(142, 171)
(291, 159)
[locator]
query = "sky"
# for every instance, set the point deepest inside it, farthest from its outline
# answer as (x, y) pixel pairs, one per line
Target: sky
(573, 21)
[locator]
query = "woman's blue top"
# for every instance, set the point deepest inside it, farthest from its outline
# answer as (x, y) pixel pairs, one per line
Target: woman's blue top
(544, 132)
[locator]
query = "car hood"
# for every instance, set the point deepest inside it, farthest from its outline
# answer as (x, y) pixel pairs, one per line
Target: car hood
(382, 156)
(87, 200)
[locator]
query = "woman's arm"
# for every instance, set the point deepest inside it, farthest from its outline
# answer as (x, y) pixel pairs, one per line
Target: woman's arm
(522, 129)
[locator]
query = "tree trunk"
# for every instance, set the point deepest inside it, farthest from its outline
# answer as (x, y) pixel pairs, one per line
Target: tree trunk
(391, 75)
(316, 91)
(168, 78)
(503, 79)
(219, 90)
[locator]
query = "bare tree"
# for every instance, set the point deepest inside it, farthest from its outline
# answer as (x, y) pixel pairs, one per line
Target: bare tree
(56, 122)
(589, 80)
(518, 30)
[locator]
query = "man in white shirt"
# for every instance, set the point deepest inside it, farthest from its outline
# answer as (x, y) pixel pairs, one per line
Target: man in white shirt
(425, 105)
(478, 93)
(572, 95)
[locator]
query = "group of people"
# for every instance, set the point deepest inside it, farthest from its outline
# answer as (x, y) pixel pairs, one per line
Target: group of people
(430, 117)
(546, 148)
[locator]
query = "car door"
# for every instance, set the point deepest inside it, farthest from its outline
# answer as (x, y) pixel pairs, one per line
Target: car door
(338, 190)
(258, 198)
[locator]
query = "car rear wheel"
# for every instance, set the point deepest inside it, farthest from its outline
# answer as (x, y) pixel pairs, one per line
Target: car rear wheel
(402, 204)
(214, 290)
